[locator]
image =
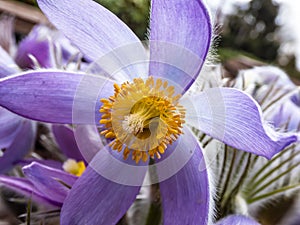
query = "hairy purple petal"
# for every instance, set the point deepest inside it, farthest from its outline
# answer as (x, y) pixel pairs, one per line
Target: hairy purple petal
(49, 181)
(65, 138)
(234, 118)
(48, 95)
(88, 141)
(180, 36)
(186, 196)
(23, 142)
(101, 31)
(237, 220)
(97, 200)
(25, 187)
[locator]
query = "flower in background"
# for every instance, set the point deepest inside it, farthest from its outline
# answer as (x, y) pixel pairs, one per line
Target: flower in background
(278, 96)
(141, 116)
(49, 182)
(17, 134)
(44, 184)
(45, 48)
(42, 47)
(250, 184)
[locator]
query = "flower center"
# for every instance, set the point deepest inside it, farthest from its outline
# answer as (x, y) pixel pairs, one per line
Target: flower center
(142, 118)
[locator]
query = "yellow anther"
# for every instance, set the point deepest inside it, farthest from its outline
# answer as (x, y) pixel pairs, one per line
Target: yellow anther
(117, 88)
(158, 83)
(104, 121)
(104, 132)
(104, 100)
(161, 149)
(110, 135)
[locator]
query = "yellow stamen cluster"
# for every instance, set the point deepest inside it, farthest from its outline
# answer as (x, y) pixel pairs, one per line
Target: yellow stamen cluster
(142, 118)
(73, 167)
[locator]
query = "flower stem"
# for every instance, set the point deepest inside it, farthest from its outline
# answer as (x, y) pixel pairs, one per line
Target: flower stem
(241, 180)
(274, 179)
(281, 97)
(228, 175)
(262, 179)
(269, 163)
(270, 194)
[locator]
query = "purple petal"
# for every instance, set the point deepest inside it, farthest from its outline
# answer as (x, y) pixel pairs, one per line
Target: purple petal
(266, 75)
(49, 180)
(237, 220)
(48, 95)
(65, 138)
(120, 171)
(179, 40)
(38, 45)
(88, 141)
(101, 31)
(23, 142)
(186, 196)
(97, 200)
(234, 118)
(7, 64)
(25, 187)
(10, 124)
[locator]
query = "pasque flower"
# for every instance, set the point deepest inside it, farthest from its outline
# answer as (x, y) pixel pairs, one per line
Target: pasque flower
(44, 184)
(42, 47)
(141, 116)
(276, 93)
(264, 182)
(48, 182)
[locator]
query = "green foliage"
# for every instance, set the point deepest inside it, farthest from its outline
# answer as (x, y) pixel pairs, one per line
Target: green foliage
(225, 54)
(134, 13)
(252, 29)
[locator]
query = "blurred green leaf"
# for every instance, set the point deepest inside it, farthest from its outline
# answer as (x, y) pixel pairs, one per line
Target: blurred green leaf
(134, 13)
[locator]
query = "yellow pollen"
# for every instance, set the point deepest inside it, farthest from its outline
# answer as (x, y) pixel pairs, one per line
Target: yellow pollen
(142, 118)
(73, 167)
